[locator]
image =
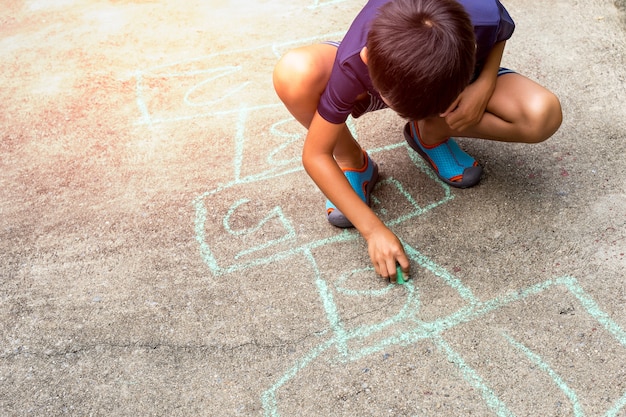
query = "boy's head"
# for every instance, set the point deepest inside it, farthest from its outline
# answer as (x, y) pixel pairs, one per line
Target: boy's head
(421, 55)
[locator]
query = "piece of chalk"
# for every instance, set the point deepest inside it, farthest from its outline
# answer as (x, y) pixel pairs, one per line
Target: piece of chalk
(399, 276)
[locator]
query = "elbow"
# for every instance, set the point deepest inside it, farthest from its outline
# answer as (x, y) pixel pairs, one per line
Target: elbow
(308, 160)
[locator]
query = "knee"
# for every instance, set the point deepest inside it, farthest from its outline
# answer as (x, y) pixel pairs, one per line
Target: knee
(293, 75)
(545, 117)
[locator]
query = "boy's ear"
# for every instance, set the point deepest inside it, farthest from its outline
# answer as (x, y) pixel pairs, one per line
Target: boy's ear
(363, 55)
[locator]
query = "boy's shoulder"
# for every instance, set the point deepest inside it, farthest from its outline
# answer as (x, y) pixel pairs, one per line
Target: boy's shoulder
(356, 36)
(482, 12)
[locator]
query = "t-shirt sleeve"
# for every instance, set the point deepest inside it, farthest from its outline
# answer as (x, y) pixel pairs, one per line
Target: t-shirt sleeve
(339, 96)
(492, 24)
(506, 26)
(349, 77)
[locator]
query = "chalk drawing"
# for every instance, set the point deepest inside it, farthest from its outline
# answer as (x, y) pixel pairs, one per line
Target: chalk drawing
(473, 378)
(188, 78)
(558, 380)
(434, 331)
(277, 213)
(274, 238)
(295, 247)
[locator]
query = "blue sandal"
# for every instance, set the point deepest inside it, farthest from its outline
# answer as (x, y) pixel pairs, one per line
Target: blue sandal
(451, 164)
(362, 181)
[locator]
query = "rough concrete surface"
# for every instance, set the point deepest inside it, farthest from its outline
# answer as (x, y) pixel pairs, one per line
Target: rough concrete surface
(163, 253)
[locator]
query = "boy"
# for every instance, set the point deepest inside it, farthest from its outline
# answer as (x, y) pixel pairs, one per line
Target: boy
(434, 62)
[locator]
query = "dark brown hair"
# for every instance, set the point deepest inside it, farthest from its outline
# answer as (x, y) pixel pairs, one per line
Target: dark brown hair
(421, 55)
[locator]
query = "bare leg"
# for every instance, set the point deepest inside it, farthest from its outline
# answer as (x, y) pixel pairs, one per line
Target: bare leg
(520, 110)
(300, 78)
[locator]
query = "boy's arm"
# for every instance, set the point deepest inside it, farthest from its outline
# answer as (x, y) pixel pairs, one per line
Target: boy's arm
(317, 157)
(468, 109)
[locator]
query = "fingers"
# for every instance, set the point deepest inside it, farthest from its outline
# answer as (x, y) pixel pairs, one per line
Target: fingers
(389, 267)
(402, 270)
(457, 126)
(405, 266)
(386, 252)
(454, 119)
(459, 122)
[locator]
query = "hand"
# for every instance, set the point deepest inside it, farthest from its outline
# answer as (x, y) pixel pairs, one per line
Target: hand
(469, 107)
(386, 251)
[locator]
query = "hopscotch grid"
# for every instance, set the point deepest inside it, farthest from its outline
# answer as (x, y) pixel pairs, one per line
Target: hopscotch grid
(339, 334)
(433, 331)
(199, 203)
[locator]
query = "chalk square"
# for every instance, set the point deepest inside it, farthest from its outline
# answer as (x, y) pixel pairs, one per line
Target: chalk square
(258, 227)
(560, 352)
(368, 313)
(398, 381)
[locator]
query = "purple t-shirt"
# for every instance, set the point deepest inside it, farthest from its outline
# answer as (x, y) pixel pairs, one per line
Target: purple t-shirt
(349, 77)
